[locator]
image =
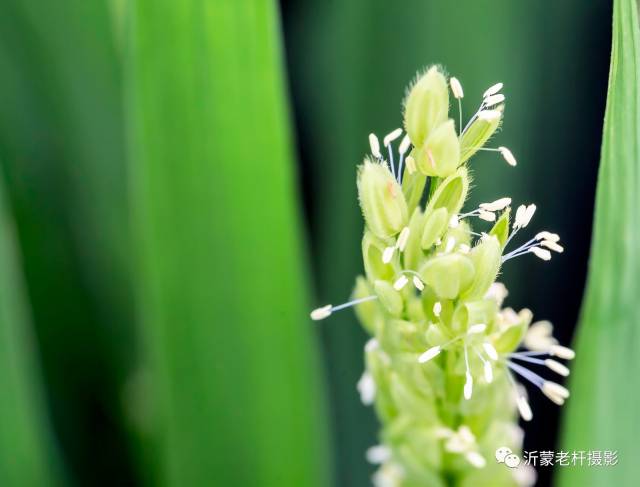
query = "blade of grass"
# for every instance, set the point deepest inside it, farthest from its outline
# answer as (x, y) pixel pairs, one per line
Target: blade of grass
(602, 412)
(222, 289)
(28, 455)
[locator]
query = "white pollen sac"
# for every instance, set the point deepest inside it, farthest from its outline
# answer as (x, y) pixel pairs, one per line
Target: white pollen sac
(400, 283)
(492, 90)
(508, 156)
(556, 247)
(552, 237)
(464, 248)
(451, 243)
(367, 389)
(524, 409)
(557, 367)
(528, 215)
(404, 145)
(437, 308)
(476, 459)
(411, 165)
(371, 345)
(490, 350)
(387, 254)
(477, 328)
(391, 136)
(429, 354)
(488, 216)
(540, 253)
(418, 283)
(496, 205)
(562, 352)
(488, 372)
(321, 313)
(375, 146)
(454, 221)
(489, 115)
(555, 392)
(468, 386)
(378, 454)
(538, 337)
(456, 88)
(493, 100)
(402, 239)
(520, 212)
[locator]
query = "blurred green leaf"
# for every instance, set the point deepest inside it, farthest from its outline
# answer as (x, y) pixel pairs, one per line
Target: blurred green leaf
(223, 291)
(29, 457)
(605, 386)
(62, 149)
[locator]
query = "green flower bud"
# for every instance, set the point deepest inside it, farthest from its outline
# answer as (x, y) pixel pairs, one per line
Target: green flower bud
(509, 339)
(372, 250)
(435, 225)
(501, 228)
(479, 132)
(413, 251)
(389, 297)
(451, 193)
(448, 275)
(381, 200)
(486, 258)
(440, 154)
(426, 106)
(413, 187)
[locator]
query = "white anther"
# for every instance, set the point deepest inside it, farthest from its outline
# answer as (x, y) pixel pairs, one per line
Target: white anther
(418, 283)
(429, 354)
(496, 205)
(456, 88)
(468, 386)
(493, 100)
(520, 213)
(562, 352)
(400, 283)
(367, 389)
(538, 337)
(492, 90)
(487, 216)
(553, 246)
(477, 328)
(451, 243)
(411, 164)
(404, 145)
(488, 372)
(555, 392)
(374, 144)
(464, 248)
(508, 156)
(553, 237)
(371, 345)
(490, 350)
(557, 367)
(378, 454)
(543, 254)
(475, 459)
(321, 313)
(454, 221)
(391, 136)
(528, 215)
(489, 115)
(523, 408)
(402, 239)
(437, 308)
(387, 254)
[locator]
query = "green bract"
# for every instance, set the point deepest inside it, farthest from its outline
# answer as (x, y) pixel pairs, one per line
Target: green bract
(440, 365)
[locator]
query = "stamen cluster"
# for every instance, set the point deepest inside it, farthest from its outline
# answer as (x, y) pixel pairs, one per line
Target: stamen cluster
(442, 363)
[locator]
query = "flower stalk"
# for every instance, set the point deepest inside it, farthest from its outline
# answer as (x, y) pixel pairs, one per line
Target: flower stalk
(443, 364)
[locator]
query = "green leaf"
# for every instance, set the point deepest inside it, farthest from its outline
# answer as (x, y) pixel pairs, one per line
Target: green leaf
(605, 385)
(28, 455)
(223, 292)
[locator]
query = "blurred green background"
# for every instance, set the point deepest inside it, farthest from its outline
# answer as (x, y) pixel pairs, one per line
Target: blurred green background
(178, 190)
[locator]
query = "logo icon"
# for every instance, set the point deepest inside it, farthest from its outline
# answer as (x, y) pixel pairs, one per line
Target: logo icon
(506, 456)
